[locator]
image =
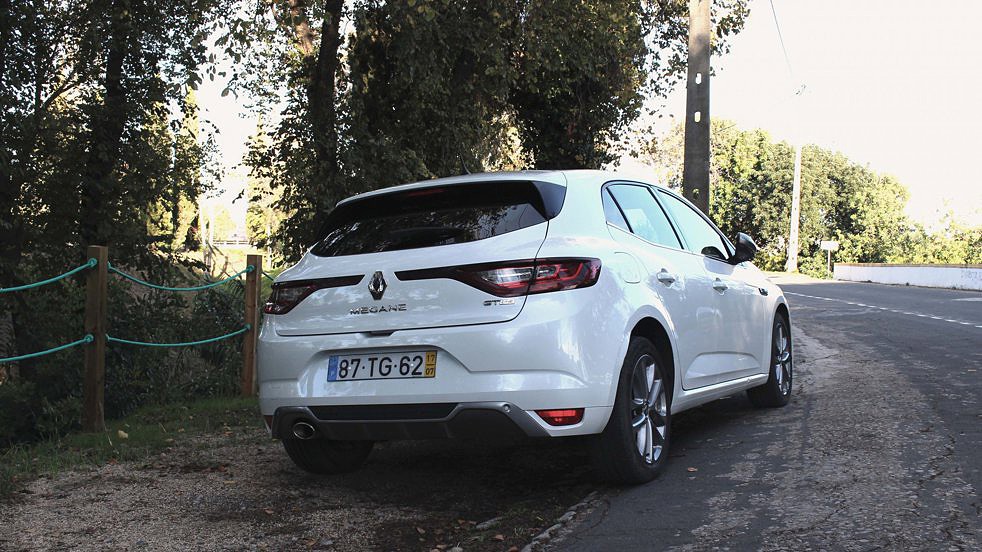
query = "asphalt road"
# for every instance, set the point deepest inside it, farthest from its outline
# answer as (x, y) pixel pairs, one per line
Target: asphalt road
(880, 449)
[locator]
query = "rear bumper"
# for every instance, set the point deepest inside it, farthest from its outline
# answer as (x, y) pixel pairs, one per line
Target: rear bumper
(555, 354)
(418, 421)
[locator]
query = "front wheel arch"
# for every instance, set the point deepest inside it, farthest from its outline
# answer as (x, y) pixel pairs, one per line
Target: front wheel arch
(777, 390)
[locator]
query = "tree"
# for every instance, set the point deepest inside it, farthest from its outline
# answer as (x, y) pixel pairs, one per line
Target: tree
(432, 88)
(750, 177)
(96, 147)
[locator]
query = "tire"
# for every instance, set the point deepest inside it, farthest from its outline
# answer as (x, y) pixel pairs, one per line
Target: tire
(324, 456)
(633, 448)
(776, 391)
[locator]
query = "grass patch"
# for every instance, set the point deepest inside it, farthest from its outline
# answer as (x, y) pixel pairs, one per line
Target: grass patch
(146, 432)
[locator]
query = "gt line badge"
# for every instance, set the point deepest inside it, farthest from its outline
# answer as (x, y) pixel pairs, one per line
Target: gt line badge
(494, 302)
(377, 285)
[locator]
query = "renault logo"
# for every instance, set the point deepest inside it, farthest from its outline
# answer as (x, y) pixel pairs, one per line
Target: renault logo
(377, 285)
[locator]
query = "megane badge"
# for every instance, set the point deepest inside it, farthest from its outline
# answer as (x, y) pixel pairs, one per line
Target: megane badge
(377, 285)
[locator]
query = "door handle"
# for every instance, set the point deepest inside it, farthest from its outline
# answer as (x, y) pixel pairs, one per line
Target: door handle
(720, 285)
(665, 277)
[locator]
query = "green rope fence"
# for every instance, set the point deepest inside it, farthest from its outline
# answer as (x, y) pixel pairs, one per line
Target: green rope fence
(132, 278)
(89, 264)
(242, 330)
(87, 339)
(93, 418)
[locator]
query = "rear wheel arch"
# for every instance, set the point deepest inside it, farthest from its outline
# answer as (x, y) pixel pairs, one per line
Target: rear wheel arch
(652, 330)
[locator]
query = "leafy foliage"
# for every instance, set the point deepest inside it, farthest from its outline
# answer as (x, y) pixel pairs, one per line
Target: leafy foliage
(751, 177)
(432, 88)
(100, 143)
(954, 243)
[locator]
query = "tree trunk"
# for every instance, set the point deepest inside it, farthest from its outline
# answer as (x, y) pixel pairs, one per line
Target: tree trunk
(106, 136)
(298, 18)
(321, 95)
(9, 191)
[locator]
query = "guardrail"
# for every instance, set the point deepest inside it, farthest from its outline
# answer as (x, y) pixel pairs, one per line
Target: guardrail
(926, 275)
(96, 333)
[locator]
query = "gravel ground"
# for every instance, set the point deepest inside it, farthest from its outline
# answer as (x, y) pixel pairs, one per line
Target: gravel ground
(239, 491)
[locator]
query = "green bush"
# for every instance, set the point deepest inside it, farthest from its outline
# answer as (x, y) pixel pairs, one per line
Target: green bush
(816, 267)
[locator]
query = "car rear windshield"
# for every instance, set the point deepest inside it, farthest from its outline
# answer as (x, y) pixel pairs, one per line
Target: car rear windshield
(441, 215)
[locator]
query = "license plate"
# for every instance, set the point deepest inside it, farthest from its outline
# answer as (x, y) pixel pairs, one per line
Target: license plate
(392, 365)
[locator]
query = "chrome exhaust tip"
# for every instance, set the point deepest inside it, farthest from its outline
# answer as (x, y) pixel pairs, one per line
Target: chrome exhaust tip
(303, 431)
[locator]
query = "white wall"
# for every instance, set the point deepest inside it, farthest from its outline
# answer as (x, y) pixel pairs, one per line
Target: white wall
(943, 276)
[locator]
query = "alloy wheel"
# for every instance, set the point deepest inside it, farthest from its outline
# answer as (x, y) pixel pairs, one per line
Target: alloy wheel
(783, 364)
(649, 409)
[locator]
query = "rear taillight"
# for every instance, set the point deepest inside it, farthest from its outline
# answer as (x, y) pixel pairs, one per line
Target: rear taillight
(561, 417)
(287, 295)
(517, 278)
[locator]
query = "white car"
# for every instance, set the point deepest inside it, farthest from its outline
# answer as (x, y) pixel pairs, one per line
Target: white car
(540, 304)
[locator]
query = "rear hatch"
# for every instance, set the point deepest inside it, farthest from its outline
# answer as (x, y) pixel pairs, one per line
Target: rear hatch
(390, 261)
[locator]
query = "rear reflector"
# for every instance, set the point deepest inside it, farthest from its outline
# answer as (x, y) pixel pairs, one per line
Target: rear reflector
(563, 417)
(287, 295)
(517, 278)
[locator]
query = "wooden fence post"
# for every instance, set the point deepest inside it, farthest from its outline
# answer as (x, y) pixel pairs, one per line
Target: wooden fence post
(93, 413)
(252, 290)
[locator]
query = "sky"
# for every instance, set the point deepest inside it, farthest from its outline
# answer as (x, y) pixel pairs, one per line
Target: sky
(892, 84)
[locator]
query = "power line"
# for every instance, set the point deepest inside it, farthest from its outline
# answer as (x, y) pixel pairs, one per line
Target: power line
(792, 261)
(780, 37)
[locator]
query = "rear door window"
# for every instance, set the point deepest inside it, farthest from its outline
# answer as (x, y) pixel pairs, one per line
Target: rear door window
(643, 214)
(431, 217)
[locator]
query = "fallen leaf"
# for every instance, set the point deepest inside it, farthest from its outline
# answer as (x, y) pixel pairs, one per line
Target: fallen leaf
(421, 531)
(269, 511)
(513, 549)
(499, 537)
(692, 469)
(122, 434)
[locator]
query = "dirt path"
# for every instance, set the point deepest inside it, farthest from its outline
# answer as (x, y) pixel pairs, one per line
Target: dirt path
(240, 492)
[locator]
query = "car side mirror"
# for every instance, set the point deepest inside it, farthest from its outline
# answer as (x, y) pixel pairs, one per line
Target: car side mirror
(745, 249)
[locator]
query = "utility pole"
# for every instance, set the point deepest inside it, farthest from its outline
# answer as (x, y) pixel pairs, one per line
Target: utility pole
(695, 172)
(792, 264)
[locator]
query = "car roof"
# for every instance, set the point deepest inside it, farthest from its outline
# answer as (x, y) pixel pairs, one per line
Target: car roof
(577, 177)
